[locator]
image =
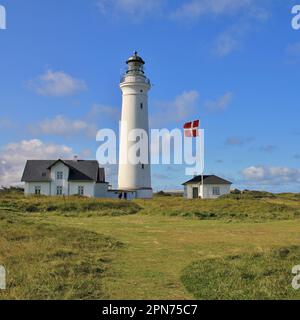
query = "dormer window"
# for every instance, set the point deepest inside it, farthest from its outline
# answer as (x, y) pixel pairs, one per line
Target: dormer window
(59, 175)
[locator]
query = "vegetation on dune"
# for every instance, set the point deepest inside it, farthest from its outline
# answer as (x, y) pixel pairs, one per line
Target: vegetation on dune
(248, 194)
(11, 192)
(244, 208)
(264, 275)
(289, 196)
(44, 261)
(72, 206)
(49, 253)
(252, 206)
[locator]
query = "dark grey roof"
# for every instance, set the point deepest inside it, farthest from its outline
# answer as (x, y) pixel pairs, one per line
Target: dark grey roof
(80, 170)
(208, 179)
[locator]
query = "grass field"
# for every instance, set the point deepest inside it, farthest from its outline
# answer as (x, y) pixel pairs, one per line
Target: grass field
(238, 247)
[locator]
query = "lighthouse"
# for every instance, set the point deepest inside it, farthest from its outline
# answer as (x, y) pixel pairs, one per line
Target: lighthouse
(135, 176)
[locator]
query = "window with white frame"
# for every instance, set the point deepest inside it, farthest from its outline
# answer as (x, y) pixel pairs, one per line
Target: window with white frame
(81, 190)
(59, 190)
(37, 190)
(59, 175)
(216, 191)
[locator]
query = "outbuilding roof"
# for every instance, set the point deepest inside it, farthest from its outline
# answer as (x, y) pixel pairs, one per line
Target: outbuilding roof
(208, 179)
(79, 170)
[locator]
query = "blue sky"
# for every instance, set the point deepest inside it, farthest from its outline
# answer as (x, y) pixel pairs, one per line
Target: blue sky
(232, 63)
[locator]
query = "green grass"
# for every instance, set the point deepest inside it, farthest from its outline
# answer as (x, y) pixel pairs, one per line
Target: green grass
(73, 206)
(227, 208)
(44, 261)
(260, 276)
(165, 248)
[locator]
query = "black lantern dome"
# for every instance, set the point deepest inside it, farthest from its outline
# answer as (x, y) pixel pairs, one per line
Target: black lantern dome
(135, 59)
(135, 65)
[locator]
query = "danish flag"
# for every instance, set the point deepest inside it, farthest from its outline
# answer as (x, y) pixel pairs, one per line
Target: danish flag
(191, 129)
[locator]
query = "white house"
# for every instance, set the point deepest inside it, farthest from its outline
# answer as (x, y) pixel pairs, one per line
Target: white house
(69, 177)
(213, 187)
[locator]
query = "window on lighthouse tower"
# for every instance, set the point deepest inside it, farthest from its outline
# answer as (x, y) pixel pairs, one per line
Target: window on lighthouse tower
(141, 105)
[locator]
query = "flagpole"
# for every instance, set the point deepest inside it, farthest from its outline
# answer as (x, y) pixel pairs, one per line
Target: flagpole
(191, 129)
(202, 182)
(202, 162)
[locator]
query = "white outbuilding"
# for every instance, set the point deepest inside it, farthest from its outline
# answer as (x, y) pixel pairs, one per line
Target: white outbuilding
(210, 187)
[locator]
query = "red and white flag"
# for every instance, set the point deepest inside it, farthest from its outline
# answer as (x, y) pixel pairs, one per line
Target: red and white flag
(191, 129)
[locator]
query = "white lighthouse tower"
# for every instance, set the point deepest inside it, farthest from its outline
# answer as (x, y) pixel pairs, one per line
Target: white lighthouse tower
(135, 86)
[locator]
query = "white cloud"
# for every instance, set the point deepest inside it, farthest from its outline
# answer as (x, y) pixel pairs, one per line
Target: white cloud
(231, 39)
(180, 109)
(263, 175)
(13, 157)
(88, 125)
(246, 12)
(105, 112)
(136, 9)
(227, 42)
(53, 83)
(61, 126)
(248, 16)
(190, 9)
(220, 104)
(198, 8)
